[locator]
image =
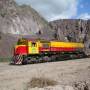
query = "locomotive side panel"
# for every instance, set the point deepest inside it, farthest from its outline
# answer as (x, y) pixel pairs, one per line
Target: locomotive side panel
(65, 46)
(44, 46)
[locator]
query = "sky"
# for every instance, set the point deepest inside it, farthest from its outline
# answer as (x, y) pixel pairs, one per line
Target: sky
(60, 9)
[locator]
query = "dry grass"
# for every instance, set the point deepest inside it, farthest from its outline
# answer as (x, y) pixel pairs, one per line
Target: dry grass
(41, 82)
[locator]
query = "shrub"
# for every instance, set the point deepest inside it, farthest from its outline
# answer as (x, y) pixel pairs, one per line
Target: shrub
(81, 85)
(5, 59)
(41, 82)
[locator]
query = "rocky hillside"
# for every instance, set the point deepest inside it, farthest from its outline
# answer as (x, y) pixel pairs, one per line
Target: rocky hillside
(73, 31)
(20, 19)
(16, 20)
(7, 42)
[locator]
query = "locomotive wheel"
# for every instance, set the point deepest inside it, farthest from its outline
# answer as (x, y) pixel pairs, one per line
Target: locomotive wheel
(32, 60)
(46, 59)
(25, 60)
(54, 58)
(40, 60)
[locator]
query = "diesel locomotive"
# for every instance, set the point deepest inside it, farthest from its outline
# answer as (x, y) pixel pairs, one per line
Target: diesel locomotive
(36, 51)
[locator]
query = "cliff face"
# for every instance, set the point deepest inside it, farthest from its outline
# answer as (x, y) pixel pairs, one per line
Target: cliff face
(7, 43)
(73, 31)
(18, 21)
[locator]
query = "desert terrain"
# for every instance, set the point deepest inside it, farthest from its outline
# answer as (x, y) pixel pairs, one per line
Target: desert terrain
(67, 75)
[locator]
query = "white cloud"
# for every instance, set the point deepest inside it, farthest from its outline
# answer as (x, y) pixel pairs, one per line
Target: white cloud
(54, 9)
(84, 16)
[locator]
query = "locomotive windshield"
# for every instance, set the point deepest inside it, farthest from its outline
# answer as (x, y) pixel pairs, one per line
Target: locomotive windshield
(22, 42)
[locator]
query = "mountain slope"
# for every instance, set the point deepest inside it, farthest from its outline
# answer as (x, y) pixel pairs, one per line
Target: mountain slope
(20, 19)
(7, 43)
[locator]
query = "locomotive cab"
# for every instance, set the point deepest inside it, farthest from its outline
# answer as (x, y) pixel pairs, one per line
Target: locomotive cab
(25, 47)
(33, 47)
(21, 47)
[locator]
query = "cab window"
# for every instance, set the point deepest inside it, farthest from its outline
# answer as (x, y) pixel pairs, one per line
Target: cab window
(33, 44)
(46, 45)
(22, 42)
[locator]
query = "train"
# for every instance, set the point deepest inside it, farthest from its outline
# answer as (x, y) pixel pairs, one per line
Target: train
(36, 51)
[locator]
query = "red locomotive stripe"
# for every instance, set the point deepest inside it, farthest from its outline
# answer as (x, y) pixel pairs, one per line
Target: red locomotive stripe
(43, 49)
(62, 49)
(21, 50)
(57, 49)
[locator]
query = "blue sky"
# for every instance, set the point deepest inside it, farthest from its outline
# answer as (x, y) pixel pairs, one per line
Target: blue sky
(60, 9)
(83, 9)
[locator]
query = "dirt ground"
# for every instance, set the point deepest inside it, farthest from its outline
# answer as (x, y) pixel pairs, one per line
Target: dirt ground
(64, 72)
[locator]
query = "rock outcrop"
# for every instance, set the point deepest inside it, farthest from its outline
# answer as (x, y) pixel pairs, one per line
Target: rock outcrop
(16, 19)
(7, 42)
